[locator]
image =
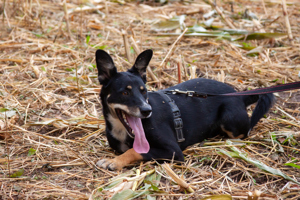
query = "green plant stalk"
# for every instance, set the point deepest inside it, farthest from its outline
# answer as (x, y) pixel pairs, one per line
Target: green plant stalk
(236, 153)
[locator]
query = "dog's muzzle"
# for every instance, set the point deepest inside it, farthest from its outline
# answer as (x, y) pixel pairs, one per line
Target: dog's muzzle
(146, 110)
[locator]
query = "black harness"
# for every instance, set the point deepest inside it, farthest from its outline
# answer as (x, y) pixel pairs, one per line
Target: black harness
(178, 124)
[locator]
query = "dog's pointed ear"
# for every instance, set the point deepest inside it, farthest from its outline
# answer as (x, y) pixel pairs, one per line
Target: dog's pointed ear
(106, 67)
(141, 63)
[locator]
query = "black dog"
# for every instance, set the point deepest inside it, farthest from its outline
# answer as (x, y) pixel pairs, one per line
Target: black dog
(143, 125)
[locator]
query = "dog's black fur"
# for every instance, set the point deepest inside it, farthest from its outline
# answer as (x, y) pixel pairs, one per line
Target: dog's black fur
(202, 118)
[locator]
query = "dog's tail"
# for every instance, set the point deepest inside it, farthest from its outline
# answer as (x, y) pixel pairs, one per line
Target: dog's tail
(264, 103)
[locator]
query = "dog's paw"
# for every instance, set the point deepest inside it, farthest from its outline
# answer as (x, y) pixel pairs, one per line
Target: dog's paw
(120, 161)
(110, 164)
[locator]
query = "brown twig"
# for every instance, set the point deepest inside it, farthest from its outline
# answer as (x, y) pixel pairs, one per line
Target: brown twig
(106, 8)
(81, 19)
(172, 48)
(127, 47)
(186, 76)
(287, 21)
(3, 13)
(6, 143)
(67, 18)
(263, 4)
(179, 70)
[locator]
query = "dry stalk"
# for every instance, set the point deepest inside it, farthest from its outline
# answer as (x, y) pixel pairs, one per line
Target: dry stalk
(186, 76)
(15, 179)
(45, 136)
(77, 80)
(106, 9)
(221, 14)
(172, 48)
(287, 21)
(138, 51)
(135, 183)
(67, 18)
(135, 46)
(30, 7)
(127, 47)
(178, 180)
(5, 15)
(91, 134)
(288, 115)
(6, 143)
(40, 15)
(4, 4)
(77, 154)
(179, 71)
(142, 34)
(263, 4)
(81, 19)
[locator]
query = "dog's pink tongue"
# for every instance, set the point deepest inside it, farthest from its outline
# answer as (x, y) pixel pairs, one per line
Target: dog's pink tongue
(140, 144)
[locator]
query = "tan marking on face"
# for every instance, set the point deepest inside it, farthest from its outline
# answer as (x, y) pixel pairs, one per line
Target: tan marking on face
(118, 130)
(142, 87)
(129, 87)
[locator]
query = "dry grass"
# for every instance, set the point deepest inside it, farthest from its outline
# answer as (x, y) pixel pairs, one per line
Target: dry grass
(53, 129)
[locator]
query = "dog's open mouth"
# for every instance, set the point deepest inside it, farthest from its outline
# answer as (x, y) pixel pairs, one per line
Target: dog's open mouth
(135, 130)
(122, 117)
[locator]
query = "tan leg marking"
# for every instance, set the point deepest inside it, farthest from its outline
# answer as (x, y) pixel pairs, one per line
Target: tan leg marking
(120, 161)
(230, 134)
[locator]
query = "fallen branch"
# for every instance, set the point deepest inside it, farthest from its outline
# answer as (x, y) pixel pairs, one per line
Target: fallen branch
(178, 180)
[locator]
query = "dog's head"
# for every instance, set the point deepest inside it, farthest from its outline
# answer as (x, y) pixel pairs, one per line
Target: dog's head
(125, 92)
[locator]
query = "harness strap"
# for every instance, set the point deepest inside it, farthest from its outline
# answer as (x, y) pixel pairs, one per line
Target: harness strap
(178, 124)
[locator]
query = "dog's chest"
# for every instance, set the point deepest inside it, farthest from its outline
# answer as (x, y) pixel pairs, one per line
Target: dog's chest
(118, 131)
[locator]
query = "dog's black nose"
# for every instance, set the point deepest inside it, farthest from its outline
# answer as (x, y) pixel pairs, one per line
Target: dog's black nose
(146, 111)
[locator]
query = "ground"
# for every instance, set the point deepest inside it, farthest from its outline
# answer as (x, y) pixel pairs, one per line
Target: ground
(52, 130)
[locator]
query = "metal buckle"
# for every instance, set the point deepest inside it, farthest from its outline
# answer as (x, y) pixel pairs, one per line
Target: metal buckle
(179, 134)
(176, 114)
(190, 93)
(178, 123)
(178, 128)
(176, 91)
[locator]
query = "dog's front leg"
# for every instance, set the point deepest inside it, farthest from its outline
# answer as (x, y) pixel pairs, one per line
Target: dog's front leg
(120, 161)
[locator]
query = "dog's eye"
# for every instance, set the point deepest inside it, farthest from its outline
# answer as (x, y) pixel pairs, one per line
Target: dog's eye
(125, 93)
(143, 91)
